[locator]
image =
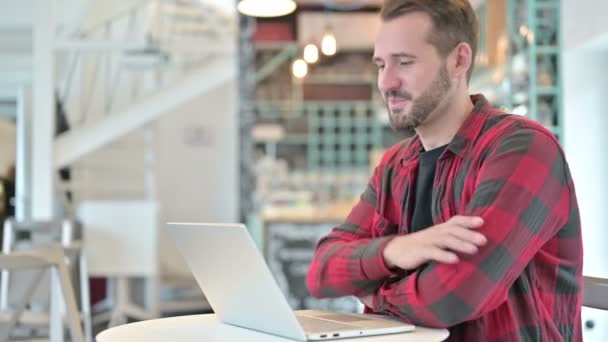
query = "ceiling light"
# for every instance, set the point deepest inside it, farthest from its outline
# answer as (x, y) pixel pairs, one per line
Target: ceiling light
(311, 53)
(328, 44)
(299, 68)
(266, 8)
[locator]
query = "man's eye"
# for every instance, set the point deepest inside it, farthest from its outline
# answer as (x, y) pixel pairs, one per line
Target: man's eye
(406, 63)
(380, 67)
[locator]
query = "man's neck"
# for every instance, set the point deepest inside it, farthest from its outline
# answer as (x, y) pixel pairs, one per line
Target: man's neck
(447, 122)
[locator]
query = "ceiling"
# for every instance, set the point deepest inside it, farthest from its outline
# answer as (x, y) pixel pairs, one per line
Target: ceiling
(352, 3)
(353, 30)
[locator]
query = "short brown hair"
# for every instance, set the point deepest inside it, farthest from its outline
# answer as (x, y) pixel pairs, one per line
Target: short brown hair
(454, 21)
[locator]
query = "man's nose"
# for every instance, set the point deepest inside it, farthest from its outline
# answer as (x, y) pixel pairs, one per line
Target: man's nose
(388, 82)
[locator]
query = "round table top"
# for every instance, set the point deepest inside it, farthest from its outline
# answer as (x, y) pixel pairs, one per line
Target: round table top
(209, 328)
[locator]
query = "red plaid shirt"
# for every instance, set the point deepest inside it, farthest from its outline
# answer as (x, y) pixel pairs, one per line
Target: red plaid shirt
(524, 285)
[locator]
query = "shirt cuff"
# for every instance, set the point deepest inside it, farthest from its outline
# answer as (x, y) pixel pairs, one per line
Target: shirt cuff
(372, 261)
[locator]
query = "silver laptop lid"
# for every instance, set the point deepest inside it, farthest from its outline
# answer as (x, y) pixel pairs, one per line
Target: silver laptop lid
(232, 273)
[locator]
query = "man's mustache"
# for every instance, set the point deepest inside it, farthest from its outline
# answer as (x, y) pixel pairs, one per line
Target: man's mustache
(398, 94)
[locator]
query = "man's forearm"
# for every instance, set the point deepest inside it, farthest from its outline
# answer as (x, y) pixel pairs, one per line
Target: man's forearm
(342, 268)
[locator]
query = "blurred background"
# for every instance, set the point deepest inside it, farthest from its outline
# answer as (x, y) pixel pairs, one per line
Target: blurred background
(118, 116)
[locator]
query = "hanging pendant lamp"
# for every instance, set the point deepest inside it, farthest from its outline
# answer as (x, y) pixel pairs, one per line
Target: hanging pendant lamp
(329, 46)
(266, 8)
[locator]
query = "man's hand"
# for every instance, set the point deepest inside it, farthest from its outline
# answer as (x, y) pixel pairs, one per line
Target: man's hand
(438, 243)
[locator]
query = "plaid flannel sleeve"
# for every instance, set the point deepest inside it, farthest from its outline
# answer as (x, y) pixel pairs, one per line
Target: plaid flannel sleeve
(522, 192)
(348, 261)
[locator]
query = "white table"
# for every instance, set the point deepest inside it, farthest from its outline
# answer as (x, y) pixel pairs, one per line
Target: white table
(209, 328)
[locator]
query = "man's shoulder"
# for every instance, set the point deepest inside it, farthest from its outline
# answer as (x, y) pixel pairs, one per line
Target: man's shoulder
(500, 126)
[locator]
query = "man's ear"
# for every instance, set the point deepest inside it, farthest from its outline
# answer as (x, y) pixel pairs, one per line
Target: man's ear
(460, 60)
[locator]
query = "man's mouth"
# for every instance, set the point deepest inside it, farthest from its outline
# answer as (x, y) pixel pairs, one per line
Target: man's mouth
(397, 103)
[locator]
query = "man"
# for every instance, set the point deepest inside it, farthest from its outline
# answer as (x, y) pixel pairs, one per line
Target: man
(472, 224)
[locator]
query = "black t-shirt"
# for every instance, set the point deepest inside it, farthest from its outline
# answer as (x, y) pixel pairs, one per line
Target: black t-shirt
(422, 217)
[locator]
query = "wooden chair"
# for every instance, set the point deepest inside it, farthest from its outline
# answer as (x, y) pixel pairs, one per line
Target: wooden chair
(52, 259)
(24, 236)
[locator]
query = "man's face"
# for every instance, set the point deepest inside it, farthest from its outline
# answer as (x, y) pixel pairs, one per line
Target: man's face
(412, 77)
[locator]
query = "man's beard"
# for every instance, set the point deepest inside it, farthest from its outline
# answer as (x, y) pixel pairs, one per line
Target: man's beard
(422, 106)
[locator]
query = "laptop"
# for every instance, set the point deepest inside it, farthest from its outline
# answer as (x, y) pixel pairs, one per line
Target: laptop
(240, 288)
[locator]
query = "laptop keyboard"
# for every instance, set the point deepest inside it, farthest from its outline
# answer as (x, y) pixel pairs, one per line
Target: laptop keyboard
(312, 324)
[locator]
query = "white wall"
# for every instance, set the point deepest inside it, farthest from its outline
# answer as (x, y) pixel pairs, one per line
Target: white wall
(584, 22)
(585, 122)
(198, 165)
(16, 13)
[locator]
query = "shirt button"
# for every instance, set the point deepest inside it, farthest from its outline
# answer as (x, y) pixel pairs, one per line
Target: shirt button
(381, 225)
